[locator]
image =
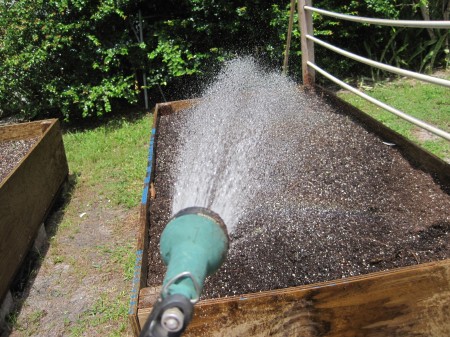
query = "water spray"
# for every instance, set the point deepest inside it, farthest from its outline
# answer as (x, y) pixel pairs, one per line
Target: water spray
(193, 246)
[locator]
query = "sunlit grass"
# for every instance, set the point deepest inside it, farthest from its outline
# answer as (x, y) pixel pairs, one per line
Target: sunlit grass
(103, 317)
(109, 162)
(111, 158)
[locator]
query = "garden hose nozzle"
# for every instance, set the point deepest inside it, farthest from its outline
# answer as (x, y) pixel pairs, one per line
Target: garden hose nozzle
(193, 246)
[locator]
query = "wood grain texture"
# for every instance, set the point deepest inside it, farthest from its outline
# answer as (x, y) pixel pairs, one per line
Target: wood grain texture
(171, 107)
(27, 195)
(305, 23)
(412, 301)
(141, 263)
(24, 130)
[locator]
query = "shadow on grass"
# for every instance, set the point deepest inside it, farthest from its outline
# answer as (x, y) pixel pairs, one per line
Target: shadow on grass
(111, 121)
(180, 88)
(26, 276)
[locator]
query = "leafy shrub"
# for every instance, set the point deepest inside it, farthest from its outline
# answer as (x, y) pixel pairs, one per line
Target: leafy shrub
(64, 58)
(77, 58)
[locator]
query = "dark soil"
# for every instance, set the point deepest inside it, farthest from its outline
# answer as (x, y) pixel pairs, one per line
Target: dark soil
(355, 206)
(11, 153)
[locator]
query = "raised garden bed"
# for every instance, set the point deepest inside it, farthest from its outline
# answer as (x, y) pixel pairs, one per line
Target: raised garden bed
(372, 209)
(33, 168)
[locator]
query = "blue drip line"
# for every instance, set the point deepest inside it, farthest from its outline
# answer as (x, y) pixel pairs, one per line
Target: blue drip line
(136, 280)
(149, 167)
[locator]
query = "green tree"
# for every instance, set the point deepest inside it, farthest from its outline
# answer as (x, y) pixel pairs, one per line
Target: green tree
(205, 32)
(78, 57)
(66, 57)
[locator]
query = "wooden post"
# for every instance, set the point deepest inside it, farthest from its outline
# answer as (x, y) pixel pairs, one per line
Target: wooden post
(306, 28)
(288, 40)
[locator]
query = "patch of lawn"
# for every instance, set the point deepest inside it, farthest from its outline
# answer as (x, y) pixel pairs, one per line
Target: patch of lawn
(425, 101)
(112, 157)
(109, 163)
(123, 256)
(103, 316)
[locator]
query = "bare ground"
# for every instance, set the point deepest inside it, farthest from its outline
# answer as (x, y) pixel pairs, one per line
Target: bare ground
(77, 287)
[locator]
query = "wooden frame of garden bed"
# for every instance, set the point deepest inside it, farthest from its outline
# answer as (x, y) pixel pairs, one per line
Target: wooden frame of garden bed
(402, 302)
(28, 192)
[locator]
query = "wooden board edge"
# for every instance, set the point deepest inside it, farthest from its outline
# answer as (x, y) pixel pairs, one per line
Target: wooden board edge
(148, 291)
(48, 126)
(39, 129)
(175, 106)
(135, 327)
(53, 125)
(392, 278)
(25, 130)
(141, 259)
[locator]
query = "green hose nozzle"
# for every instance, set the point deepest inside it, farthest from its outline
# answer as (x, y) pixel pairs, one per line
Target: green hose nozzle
(193, 245)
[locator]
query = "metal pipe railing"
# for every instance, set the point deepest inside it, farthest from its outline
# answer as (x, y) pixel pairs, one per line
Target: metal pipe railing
(309, 67)
(396, 112)
(382, 22)
(396, 70)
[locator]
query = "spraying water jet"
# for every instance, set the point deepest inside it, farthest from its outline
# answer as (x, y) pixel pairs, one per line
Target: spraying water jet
(193, 246)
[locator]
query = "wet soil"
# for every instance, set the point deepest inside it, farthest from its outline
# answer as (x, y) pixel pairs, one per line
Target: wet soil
(11, 153)
(349, 204)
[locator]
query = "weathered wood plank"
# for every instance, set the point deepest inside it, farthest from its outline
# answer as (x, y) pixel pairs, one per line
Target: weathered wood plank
(171, 107)
(148, 296)
(24, 130)
(305, 23)
(141, 263)
(412, 301)
(27, 194)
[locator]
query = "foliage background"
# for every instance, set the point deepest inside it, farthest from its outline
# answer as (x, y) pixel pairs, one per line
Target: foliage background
(80, 58)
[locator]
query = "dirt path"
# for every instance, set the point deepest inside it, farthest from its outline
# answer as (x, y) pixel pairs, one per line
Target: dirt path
(81, 287)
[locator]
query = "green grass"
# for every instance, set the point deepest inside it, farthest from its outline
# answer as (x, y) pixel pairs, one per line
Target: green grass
(31, 327)
(123, 256)
(113, 156)
(103, 311)
(428, 102)
(109, 163)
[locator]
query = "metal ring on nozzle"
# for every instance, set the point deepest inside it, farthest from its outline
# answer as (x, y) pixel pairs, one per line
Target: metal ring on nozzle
(186, 274)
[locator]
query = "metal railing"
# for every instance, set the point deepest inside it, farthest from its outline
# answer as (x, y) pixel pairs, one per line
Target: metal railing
(309, 67)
